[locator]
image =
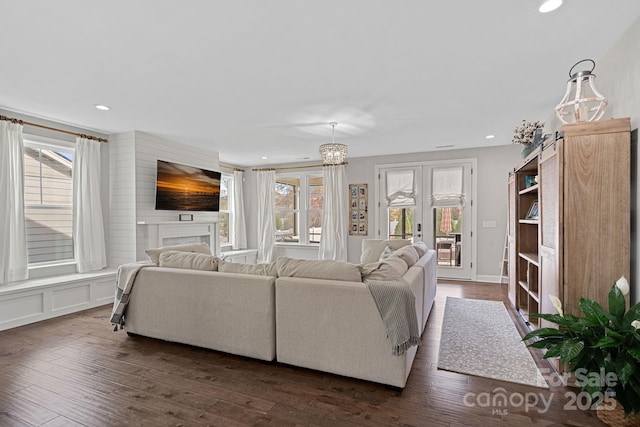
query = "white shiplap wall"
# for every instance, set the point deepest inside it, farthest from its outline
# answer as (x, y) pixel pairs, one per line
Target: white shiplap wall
(134, 159)
(122, 198)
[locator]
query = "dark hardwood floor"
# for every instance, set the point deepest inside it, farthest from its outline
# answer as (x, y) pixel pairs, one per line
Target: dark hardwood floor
(74, 370)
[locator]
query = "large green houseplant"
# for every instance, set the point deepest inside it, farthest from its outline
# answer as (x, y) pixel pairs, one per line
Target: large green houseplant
(603, 346)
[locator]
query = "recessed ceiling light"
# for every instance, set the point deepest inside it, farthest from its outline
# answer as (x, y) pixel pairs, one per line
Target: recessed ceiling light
(103, 107)
(264, 157)
(490, 136)
(549, 5)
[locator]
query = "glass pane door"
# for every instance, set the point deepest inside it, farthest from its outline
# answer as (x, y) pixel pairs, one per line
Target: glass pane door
(447, 229)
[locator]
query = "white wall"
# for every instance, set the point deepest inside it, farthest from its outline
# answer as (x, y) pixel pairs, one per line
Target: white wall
(494, 164)
(121, 198)
(618, 79)
(133, 173)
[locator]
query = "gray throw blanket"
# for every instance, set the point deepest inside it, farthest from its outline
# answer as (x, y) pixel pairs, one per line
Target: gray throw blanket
(124, 283)
(396, 304)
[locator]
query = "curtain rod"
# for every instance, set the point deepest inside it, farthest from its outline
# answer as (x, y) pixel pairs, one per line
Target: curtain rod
(81, 135)
(295, 167)
(223, 166)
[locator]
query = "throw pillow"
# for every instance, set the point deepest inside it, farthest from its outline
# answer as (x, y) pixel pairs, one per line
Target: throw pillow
(154, 254)
(257, 269)
(386, 253)
(188, 260)
(408, 255)
(389, 268)
(319, 269)
(372, 248)
(421, 248)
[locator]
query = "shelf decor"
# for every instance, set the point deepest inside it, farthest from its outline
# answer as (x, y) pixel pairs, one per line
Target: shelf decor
(528, 134)
(533, 210)
(581, 102)
(358, 223)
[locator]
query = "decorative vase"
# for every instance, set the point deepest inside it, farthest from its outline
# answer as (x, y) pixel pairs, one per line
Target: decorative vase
(615, 417)
(526, 150)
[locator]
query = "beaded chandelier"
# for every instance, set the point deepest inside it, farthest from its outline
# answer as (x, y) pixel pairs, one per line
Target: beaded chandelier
(333, 154)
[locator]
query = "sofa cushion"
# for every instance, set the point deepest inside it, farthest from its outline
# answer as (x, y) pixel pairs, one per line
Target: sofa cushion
(257, 269)
(319, 269)
(408, 255)
(372, 248)
(389, 268)
(386, 253)
(188, 260)
(154, 253)
(421, 248)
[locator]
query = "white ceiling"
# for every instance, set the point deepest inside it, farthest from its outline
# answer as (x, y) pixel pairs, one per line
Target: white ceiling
(252, 78)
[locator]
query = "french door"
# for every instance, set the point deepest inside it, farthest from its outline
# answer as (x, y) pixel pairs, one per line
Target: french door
(444, 223)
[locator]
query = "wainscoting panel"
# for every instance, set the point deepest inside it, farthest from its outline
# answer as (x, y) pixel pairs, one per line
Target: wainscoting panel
(297, 251)
(103, 291)
(21, 307)
(39, 299)
(242, 256)
(70, 297)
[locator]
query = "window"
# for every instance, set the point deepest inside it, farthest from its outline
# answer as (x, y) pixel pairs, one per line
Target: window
(286, 209)
(401, 223)
(316, 202)
(400, 195)
(48, 194)
(226, 211)
(292, 216)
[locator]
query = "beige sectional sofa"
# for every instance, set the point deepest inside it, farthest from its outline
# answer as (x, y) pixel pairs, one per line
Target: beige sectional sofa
(300, 319)
(227, 312)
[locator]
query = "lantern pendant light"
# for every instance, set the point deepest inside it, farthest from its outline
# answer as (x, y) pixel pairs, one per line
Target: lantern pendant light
(581, 102)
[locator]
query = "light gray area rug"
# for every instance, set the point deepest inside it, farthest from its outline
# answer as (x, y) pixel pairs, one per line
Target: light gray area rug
(479, 338)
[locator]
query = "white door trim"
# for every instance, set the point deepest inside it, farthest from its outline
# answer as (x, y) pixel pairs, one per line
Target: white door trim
(420, 190)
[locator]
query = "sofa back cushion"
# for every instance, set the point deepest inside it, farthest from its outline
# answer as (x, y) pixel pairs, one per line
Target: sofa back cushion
(408, 254)
(382, 270)
(188, 260)
(154, 253)
(421, 248)
(318, 269)
(257, 269)
(373, 248)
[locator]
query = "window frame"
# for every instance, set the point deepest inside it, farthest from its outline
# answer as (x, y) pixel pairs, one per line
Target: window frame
(303, 208)
(230, 212)
(66, 266)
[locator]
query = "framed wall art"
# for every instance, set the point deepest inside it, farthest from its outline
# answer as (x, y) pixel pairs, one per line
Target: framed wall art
(358, 215)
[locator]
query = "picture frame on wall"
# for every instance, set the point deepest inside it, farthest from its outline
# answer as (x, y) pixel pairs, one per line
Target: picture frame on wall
(359, 215)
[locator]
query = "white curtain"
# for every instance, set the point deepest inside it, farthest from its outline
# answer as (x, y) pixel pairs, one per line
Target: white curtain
(13, 245)
(88, 226)
(447, 187)
(239, 223)
(266, 218)
(401, 188)
(333, 240)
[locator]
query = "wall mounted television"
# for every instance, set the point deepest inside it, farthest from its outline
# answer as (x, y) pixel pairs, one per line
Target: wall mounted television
(187, 188)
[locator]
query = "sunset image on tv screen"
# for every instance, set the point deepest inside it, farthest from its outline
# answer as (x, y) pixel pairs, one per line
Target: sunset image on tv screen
(187, 188)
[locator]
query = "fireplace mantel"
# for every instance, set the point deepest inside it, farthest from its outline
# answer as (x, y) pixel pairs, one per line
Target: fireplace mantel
(163, 233)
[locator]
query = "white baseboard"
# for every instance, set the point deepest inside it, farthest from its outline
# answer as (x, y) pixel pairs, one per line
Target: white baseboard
(488, 279)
